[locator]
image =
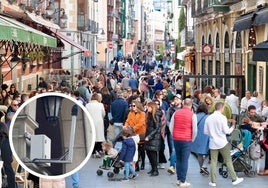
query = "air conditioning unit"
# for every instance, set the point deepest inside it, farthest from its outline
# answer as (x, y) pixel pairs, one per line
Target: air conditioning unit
(40, 147)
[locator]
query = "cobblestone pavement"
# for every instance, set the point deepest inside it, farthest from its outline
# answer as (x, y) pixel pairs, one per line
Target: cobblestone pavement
(89, 178)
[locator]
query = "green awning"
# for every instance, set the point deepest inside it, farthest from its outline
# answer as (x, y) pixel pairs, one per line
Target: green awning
(11, 29)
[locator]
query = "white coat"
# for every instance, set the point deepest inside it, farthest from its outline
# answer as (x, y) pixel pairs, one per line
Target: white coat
(97, 112)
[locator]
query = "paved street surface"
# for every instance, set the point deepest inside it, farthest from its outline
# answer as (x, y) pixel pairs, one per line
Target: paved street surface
(88, 178)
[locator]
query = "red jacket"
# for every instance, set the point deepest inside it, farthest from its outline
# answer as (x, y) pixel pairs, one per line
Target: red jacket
(182, 129)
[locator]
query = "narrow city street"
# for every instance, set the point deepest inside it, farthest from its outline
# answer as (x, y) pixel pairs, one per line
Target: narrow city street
(89, 178)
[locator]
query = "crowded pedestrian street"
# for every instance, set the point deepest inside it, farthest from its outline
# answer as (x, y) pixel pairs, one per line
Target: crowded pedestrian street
(89, 178)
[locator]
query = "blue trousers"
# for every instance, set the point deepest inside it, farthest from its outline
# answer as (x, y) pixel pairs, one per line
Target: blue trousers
(183, 150)
(129, 169)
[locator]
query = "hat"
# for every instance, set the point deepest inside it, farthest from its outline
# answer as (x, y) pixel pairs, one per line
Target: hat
(178, 96)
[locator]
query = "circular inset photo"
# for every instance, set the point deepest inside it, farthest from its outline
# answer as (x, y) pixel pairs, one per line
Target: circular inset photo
(52, 135)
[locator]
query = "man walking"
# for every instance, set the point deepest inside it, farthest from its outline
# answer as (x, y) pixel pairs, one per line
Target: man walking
(216, 127)
(183, 127)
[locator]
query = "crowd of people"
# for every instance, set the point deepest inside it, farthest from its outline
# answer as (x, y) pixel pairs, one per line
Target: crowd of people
(146, 107)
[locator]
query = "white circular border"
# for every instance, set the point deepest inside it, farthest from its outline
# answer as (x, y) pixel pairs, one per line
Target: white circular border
(92, 128)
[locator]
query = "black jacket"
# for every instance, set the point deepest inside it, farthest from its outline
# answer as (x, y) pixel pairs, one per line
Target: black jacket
(153, 132)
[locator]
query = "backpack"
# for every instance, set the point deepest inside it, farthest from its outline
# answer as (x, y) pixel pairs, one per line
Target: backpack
(255, 151)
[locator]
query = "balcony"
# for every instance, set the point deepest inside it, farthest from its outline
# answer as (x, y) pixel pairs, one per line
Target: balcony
(230, 2)
(216, 6)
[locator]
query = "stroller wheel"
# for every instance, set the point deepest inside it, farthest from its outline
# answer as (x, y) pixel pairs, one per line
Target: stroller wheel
(220, 171)
(99, 172)
(110, 174)
(224, 174)
(252, 173)
(116, 170)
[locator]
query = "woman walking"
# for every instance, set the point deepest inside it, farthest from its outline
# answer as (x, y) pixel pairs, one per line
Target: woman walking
(153, 135)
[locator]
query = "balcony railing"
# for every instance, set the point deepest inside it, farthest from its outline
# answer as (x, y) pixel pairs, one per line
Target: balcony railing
(229, 2)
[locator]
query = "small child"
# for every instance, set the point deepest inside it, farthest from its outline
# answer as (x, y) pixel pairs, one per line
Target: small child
(127, 153)
(110, 155)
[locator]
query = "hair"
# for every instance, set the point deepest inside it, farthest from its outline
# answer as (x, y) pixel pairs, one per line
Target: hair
(219, 105)
(251, 107)
(209, 90)
(255, 94)
(232, 91)
(105, 91)
(154, 107)
(196, 93)
(138, 105)
(157, 93)
(127, 132)
(95, 96)
(107, 144)
(187, 102)
(202, 107)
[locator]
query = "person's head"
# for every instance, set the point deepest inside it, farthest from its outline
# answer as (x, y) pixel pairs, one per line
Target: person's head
(164, 91)
(14, 105)
(4, 93)
(197, 94)
(264, 103)
(251, 110)
(248, 94)
(177, 100)
(106, 146)
(216, 93)
(202, 107)
(219, 106)
(152, 107)
(158, 95)
(105, 91)
(208, 100)
(255, 94)
(41, 79)
(24, 97)
(95, 96)
(12, 87)
(232, 92)
(136, 106)
(126, 132)
(188, 103)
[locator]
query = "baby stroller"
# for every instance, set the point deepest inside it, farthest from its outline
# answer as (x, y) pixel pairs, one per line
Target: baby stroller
(113, 163)
(240, 155)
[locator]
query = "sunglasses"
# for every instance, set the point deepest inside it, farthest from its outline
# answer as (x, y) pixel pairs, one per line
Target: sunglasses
(15, 104)
(133, 105)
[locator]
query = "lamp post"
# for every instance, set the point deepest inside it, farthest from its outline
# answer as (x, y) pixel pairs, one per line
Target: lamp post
(51, 11)
(52, 105)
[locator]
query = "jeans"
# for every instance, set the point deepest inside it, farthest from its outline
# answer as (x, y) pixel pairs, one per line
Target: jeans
(129, 169)
(225, 152)
(75, 179)
(183, 150)
(172, 153)
(118, 127)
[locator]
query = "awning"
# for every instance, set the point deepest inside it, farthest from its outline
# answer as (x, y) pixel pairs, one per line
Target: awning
(40, 20)
(17, 31)
(261, 17)
(243, 22)
(181, 55)
(260, 52)
(70, 41)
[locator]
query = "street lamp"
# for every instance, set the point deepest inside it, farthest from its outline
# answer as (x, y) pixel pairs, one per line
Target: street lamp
(52, 105)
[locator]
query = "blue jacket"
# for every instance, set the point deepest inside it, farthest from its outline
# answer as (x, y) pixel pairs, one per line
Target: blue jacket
(133, 83)
(201, 142)
(128, 150)
(118, 109)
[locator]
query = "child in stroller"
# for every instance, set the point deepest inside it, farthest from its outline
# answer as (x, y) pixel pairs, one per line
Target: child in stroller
(110, 159)
(111, 153)
(240, 154)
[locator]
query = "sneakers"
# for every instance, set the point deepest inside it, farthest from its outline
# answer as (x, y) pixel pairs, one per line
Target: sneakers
(185, 184)
(178, 182)
(134, 176)
(212, 184)
(204, 171)
(171, 170)
(161, 166)
(125, 179)
(237, 181)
